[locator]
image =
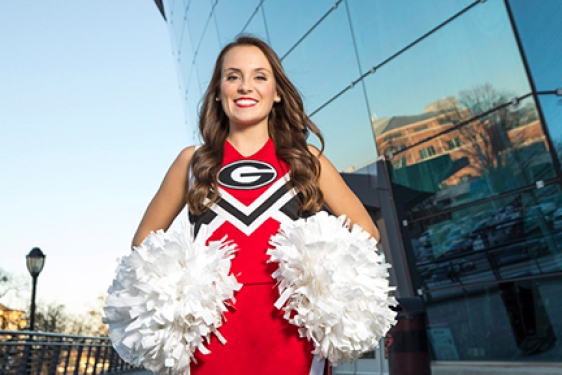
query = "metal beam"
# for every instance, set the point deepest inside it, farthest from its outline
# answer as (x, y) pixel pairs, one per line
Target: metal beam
(160, 6)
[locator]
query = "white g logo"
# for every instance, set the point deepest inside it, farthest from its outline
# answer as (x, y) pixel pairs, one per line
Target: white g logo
(246, 174)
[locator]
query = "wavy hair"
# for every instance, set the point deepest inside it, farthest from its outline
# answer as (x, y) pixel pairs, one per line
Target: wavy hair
(288, 127)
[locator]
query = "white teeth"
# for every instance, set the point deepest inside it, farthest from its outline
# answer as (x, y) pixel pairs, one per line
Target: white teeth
(245, 101)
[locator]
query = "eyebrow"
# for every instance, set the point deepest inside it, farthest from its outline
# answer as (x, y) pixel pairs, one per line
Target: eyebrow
(240, 71)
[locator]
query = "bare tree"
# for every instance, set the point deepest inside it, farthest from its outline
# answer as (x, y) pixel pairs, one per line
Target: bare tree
(483, 140)
(51, 317)
(54, 317)
(482, 98)
(487, 135)
(10, 283)
(90, 323)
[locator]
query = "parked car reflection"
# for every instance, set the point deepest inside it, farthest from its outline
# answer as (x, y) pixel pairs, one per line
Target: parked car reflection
(557, 220)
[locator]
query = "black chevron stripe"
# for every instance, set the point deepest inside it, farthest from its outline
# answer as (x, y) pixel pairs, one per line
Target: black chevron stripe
(206, 218)
(249, 219)
(291, 209)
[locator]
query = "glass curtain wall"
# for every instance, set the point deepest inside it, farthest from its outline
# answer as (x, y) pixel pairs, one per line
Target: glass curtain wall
(471, 128)
(463, 99)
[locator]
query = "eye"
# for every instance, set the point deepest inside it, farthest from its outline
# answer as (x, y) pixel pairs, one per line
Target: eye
(261, 78)
(231, 77)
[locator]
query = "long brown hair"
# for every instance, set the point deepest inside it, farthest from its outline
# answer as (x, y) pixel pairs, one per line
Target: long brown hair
(288, 127)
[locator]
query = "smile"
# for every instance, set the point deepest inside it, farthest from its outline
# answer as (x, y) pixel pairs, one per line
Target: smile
(245, 102)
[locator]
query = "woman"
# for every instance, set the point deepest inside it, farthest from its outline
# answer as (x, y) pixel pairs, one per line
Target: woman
(254, 171)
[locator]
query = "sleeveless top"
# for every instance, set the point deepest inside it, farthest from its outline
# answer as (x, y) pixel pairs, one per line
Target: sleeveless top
(255, 198)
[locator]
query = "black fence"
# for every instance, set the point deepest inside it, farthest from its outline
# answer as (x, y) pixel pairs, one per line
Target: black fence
(39, 353)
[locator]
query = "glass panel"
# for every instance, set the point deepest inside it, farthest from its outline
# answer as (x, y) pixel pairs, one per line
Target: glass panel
(317, 77)
(289, 20)
(552, 111)
(176, 17)
(465, 64)
(207, 54)
(511, 321)
(347, 133)
(382, 28)
(509, 237)
(256, 27)
(185, 59)
(198, 12)
(193, 99)
(231, 16)
(168, 6)
(538, 23)
(494, 154)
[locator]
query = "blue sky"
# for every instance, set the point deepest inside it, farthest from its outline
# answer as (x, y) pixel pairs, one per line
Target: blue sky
(90, 119)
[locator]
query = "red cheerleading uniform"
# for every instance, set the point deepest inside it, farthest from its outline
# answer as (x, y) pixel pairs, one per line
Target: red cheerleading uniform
(255, 198)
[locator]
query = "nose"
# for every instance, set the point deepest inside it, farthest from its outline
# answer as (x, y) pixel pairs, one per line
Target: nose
(245, 85)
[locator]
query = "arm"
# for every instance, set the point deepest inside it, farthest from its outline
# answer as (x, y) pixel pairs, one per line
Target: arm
(169, 199)
(340, 199)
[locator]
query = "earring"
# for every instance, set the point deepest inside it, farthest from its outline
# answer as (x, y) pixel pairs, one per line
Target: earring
(217, 99)
(278, 99)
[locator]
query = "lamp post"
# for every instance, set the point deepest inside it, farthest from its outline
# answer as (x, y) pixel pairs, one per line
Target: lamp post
(35, 261)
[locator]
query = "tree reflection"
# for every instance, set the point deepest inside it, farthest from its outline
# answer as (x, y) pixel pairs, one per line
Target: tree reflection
(482, 143)
(471, 147)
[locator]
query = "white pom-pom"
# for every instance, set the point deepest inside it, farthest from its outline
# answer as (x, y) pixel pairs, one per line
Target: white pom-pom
(168, 297)
(333, 285)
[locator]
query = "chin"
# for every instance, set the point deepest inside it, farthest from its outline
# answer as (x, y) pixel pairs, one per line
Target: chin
(246, 122)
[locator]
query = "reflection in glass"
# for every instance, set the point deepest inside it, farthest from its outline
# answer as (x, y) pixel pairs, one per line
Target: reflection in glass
(509, 237)
(289, 20)
(511, 321)
(383, 28)
(207, 53)
(197, 16)
(551, 106)
(317, 76)
(474, 55)
(347, 134)
(257, 26)
(452, 162)
(538, 24)
(231, 16)
(176, 15)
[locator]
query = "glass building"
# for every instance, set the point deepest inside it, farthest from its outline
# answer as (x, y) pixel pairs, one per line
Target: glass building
(445, 117)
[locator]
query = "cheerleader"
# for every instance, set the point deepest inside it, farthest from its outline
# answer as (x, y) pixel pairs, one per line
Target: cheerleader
(254, 173)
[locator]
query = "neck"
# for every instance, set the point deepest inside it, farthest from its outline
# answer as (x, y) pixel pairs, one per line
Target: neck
(248, 140)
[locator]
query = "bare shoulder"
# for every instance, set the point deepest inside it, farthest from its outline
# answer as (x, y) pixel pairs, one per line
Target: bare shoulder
(182, 161)
(185, 155)
(313, 150)
(326, 167)
(339, 198)
(170, 198)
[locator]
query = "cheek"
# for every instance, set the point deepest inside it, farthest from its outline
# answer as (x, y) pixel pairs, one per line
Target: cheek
(272, 92)
(224, 90)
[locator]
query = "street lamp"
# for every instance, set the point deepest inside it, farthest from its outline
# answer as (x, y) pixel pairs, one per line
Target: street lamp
(35, 261)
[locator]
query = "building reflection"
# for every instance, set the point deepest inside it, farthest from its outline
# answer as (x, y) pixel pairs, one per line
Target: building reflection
(443, 161)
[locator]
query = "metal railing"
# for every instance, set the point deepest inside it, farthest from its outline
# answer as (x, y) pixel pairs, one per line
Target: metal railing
(40, 353)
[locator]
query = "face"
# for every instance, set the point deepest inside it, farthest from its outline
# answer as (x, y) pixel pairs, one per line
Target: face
(248, 89)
